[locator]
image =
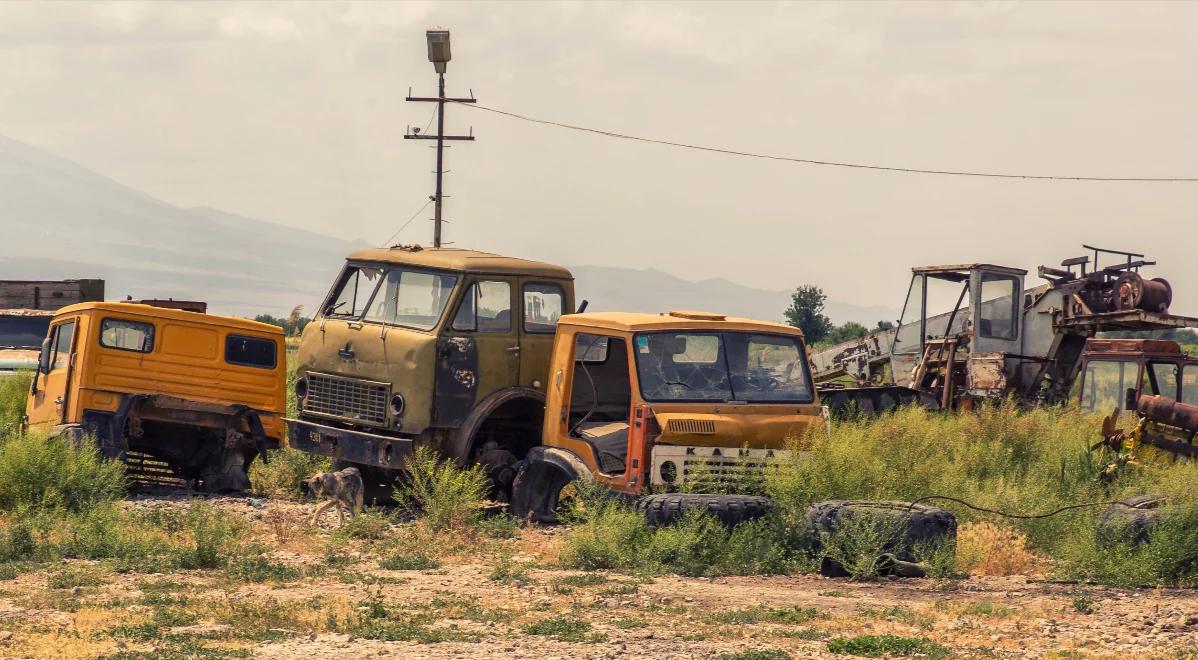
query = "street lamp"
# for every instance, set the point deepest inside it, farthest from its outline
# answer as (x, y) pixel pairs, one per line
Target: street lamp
(438, 48)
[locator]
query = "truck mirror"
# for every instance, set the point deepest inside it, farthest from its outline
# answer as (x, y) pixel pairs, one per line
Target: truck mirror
(583, 307)
(43, 359)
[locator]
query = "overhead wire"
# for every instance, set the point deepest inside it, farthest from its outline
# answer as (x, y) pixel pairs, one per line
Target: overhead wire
(387, 243)
(826, 163)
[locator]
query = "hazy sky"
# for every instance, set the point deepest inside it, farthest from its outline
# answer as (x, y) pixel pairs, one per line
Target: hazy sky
(294, 113)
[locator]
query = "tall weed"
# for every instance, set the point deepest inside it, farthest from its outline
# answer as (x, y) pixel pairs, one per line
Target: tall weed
(444, 495)
(14, 390)
(41, 472)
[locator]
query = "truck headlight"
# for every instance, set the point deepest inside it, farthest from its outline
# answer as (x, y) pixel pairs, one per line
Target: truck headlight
(669, 472)
(397, 405)
(301, 389)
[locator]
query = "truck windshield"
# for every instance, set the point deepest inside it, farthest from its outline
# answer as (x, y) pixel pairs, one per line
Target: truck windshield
(406, 297)
(722, 366)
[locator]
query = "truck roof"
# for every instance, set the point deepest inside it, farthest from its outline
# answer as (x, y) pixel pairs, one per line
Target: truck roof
(461, 260)
(173, 314)
(675, 320)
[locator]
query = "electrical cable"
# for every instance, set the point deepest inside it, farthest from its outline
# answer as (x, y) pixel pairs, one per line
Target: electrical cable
(1022, 516)
(827, 163)
(387, 243)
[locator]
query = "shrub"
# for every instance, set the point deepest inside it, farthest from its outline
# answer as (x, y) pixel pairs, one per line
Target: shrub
(878, 646)
(402, 561)
(210, 537)
(443, 494)
(43, 473)
(608, 534)
(985, 548)
(859, 541)
(14, 391)
(563, 629)
(285, 472)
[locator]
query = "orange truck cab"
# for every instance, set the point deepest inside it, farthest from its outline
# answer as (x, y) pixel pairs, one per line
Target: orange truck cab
(176, 394)
(639, 402)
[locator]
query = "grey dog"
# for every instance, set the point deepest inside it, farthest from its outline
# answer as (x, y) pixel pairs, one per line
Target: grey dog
(342, 489)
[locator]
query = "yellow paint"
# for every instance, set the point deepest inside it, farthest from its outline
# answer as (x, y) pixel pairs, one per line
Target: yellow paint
(186, 360)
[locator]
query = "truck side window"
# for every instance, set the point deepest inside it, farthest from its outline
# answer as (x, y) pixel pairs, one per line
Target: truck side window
(542, 307)
(1189, 384)
(63, 333)
(1106, 382)
(997, 318)
(251, 351)
(127, 335)
(487, 307)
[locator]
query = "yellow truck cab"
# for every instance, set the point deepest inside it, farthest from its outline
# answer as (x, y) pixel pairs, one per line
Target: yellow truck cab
(443, 347)
(181, 393)
(641, 402)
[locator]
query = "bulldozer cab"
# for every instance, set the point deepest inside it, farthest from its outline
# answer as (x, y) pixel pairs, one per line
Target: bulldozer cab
(1115, 372)
(958, 324)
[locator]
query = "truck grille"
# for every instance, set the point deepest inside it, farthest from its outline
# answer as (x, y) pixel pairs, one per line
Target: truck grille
(691, 426)
(346, 398)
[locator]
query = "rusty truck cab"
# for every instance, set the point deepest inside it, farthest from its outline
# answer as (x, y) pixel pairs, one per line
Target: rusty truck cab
(438, 346)
(183, 395)
(1112, 367)
(639, 400)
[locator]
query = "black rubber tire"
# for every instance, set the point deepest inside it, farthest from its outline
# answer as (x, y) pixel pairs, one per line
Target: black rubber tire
(378, 484)
(922, 524)
(536, 492)
(1127, 522)
(732, 510)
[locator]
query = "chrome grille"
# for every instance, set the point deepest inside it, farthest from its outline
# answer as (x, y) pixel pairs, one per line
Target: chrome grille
(693, 426)
(346, 398)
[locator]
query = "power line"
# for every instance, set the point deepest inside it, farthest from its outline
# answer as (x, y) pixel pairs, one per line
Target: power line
(831, 163)
(387, 243)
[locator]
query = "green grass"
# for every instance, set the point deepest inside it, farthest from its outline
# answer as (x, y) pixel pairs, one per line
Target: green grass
(761, 614)
(407, 561)
(879, 646)
(769, 654)
(563, 629)
(444, 495)
(14, 391)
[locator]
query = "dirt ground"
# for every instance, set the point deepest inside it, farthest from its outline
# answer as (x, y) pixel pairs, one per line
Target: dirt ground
(478, 606)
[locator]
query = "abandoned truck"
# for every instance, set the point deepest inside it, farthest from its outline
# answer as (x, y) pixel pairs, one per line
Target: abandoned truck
(443, 347)
(641, 402)
(178, 395)
(996, 339)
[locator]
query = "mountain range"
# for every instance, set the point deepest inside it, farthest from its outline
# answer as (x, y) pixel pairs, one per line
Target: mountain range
(60, 220)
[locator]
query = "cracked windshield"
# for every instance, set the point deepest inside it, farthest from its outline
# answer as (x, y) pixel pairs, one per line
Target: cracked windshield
(728, 366)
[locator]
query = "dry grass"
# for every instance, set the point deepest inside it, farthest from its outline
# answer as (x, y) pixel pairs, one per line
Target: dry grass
(985, 548)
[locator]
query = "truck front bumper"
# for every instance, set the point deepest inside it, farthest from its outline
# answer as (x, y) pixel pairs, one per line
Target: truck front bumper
(382, 451)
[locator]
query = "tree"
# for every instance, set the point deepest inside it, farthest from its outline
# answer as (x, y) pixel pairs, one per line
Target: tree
(806, 312)
(884, 325)
(849, 330)
(292, 326)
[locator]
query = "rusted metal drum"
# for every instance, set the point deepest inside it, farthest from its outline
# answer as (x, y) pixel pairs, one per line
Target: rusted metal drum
(1134, 292)
(1164, 410)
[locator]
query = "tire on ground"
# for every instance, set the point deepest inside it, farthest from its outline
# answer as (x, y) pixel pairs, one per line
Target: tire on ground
(1131, 521)
(919, 523)
(669, 508)
(536, 491)
(378, 484)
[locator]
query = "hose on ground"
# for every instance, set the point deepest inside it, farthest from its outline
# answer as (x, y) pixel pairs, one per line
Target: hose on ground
(1028, 516)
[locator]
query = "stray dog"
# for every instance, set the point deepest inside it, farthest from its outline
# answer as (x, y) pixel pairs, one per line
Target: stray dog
(343, 489)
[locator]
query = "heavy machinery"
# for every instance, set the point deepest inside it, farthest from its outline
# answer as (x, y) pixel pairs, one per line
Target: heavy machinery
(180, 396)
(996, 339)
(1111, 368)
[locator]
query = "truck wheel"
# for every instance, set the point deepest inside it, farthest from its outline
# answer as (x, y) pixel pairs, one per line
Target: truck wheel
(536, 492)
(1132, 521)
(378, 484)
(669, 508)
(914, 524)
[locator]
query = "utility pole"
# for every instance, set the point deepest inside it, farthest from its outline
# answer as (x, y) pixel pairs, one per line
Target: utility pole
(439, 55)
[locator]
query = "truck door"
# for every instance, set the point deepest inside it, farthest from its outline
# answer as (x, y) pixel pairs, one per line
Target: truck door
(483, 340)
(542, 304)
(48, 405)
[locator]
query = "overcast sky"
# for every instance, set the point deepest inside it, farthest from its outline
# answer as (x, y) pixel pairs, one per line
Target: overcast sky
(294, 113)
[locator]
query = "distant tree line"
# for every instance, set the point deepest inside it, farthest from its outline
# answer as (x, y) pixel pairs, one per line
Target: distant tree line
(806, 312)
(292, 325)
